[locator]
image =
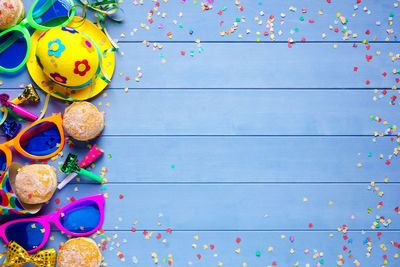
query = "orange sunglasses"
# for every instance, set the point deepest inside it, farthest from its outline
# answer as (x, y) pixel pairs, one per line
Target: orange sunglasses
(41, 140)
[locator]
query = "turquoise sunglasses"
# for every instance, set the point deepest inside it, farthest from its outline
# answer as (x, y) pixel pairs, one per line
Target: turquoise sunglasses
(15, 43)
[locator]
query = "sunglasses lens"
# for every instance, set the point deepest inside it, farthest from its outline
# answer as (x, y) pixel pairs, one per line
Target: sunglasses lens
(42, 139)
(51, 13)
(81, 218)
(27, 234)
(13, 47)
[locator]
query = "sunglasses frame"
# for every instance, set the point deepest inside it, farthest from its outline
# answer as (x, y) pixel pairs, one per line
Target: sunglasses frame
(15, 142)
(29, 20)
(55, 218)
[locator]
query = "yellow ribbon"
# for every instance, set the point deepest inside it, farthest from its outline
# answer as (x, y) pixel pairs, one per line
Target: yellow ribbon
(17, 256)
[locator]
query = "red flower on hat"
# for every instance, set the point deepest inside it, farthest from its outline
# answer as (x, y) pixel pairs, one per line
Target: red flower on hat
(81, 67)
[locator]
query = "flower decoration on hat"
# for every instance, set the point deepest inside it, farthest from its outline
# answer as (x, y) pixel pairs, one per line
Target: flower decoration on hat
(58, 78)
(87, 44)
(68, 29)
(81, 67)
(56, 48)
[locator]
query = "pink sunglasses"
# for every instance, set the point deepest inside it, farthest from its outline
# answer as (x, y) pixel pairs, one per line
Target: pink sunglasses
(79, 218)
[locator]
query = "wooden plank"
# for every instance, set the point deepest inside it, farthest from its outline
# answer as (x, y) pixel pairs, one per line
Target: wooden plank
(206, 25)
(244, 112)
(240, 206)
(242, 159)
(247, 65)
(239, 112)
(137, 250)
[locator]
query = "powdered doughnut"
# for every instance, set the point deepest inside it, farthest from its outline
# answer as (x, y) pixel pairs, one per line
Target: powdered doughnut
(35, 184)
(78, 252)
(83, 121)
(11, 13)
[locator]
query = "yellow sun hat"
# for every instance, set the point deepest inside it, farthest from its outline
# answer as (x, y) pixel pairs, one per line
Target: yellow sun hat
(72, 62)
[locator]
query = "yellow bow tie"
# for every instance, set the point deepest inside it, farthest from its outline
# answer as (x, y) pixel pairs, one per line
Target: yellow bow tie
(17, 256)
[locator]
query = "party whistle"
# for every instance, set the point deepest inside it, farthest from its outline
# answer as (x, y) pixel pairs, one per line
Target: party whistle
(94, 153)
(14, 107)
(28, 95)
(71, 166)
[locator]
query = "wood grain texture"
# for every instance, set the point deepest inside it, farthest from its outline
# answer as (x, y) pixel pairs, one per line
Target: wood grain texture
(240, 207)
(244, 139)
(136, 250)
(247, 65)
(206, 24)
(239, 112)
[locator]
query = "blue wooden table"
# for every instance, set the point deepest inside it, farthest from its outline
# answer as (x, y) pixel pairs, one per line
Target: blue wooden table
(239, 148)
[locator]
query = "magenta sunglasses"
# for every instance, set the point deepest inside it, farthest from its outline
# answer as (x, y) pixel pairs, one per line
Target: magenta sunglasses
(79, 218)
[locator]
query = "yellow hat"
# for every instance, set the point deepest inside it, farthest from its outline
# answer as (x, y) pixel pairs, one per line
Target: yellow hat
(71, 62)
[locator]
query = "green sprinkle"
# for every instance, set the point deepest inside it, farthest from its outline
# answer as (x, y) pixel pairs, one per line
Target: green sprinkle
(237, 19)
(301, 18)
(296, 29)
(391, 14)
(258, 253)
(173, 166)
(369, 154)
(181, 25)
(224, 8)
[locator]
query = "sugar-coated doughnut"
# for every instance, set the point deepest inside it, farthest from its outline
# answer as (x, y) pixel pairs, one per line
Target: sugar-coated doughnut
(11, 13)
(83, 121)
(35, 184)
(77, 252)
